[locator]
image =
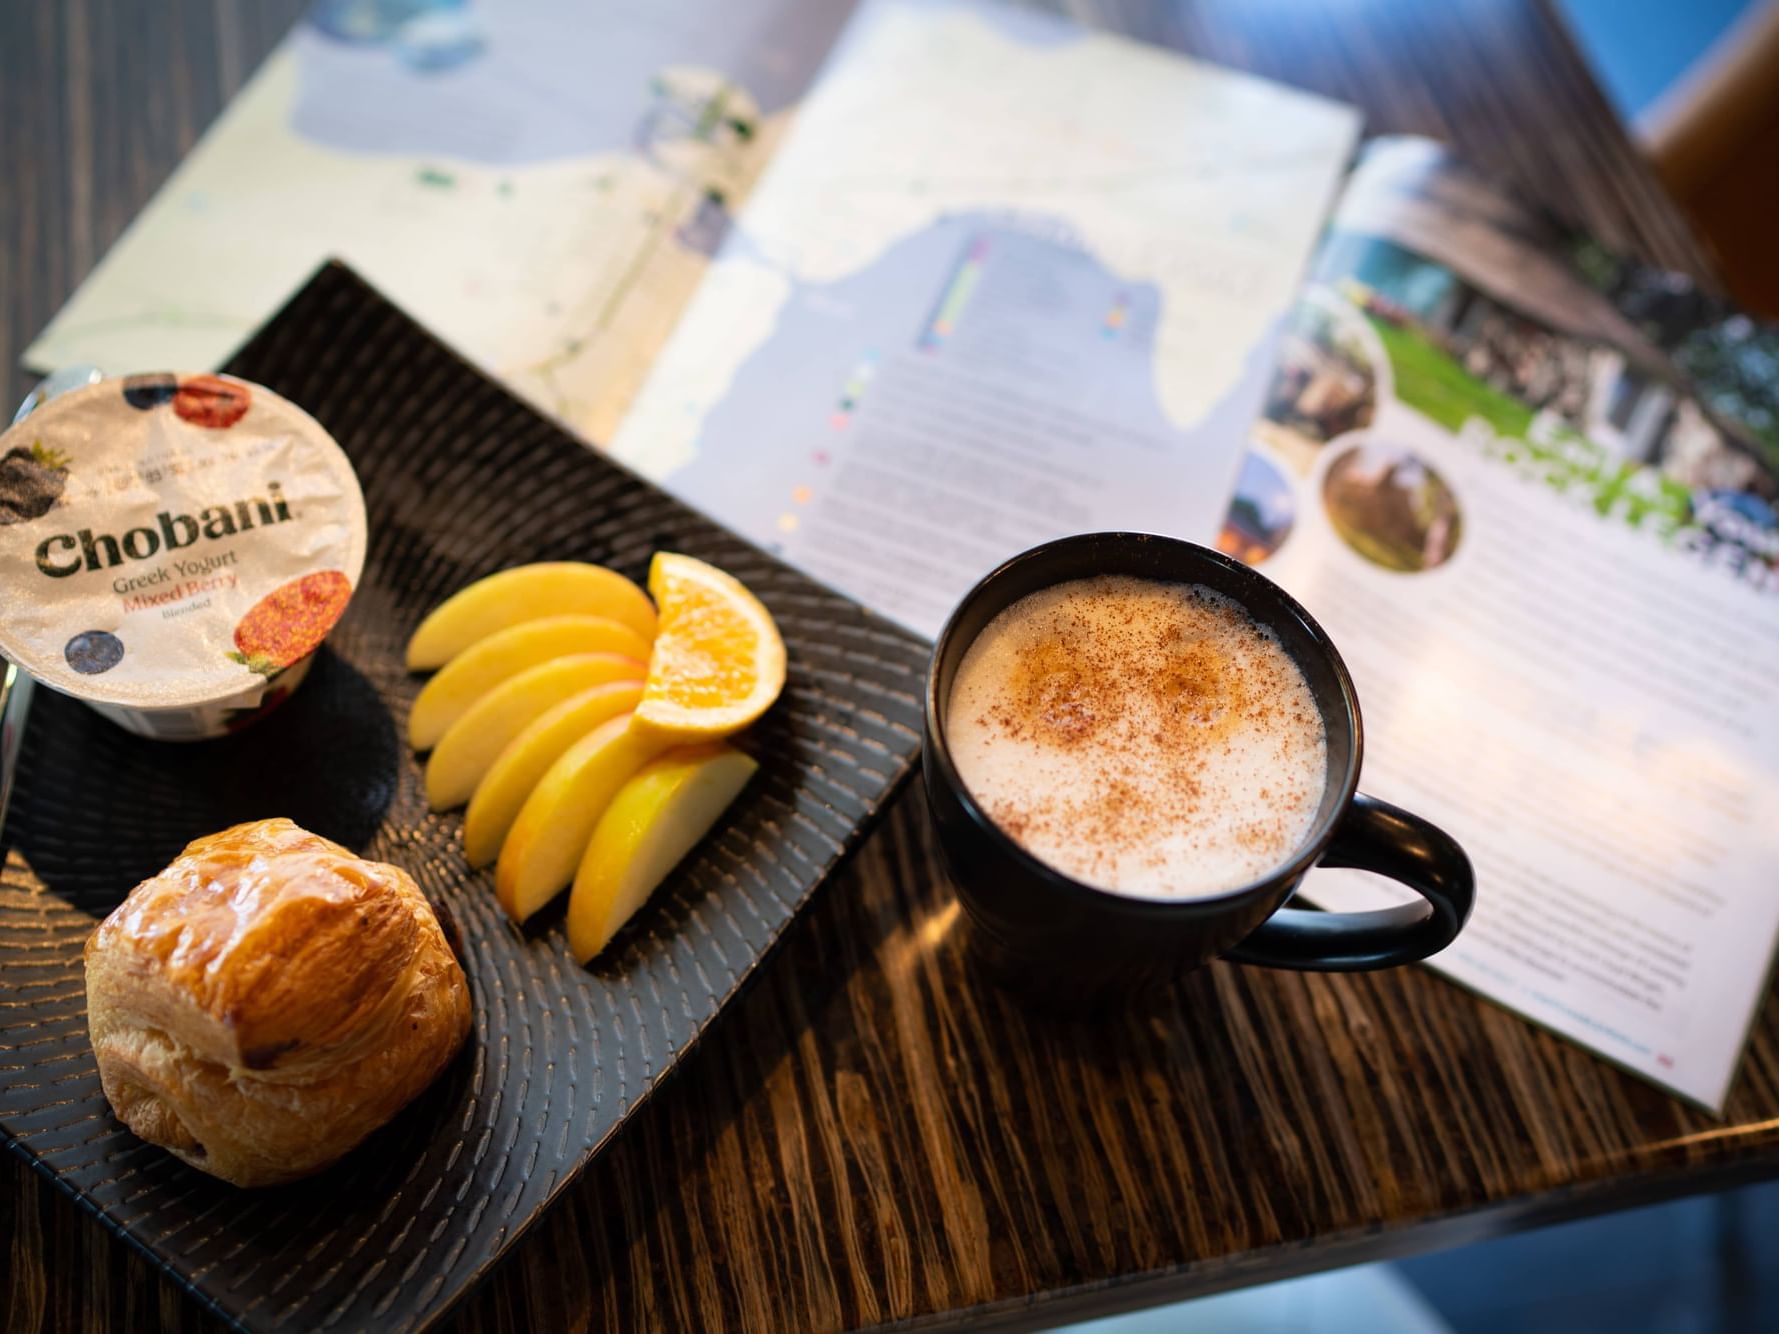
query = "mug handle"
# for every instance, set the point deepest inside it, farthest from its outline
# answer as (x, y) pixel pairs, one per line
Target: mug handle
(1374, 836)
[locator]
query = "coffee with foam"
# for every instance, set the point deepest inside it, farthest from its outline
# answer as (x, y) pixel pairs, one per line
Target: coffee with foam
(1143, 737)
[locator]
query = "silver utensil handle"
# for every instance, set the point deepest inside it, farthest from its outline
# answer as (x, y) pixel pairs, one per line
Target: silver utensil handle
(15, 701)
(15, 686)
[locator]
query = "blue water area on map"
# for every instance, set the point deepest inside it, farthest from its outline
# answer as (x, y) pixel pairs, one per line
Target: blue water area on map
(988, 365)
(1035, 317)
(510, 82)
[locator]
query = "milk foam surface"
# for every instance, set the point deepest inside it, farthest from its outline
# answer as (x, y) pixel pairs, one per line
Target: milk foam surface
(1143, 737)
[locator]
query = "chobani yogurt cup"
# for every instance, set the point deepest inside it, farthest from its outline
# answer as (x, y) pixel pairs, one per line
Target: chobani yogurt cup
(173, 549)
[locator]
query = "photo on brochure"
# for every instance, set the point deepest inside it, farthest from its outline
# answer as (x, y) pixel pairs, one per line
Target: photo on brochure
(1530, 487)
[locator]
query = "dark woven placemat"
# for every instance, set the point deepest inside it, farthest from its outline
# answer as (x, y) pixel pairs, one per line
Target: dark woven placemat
(460, 479)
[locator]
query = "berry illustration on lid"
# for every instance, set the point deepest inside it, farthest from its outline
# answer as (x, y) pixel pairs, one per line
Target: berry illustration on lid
(31, 481)
(93, 651)
(288, 623)
(143, 392)
(210, 400)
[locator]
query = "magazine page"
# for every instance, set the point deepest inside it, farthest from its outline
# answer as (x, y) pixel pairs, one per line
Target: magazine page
(962, 314)
(1530, 492)
(540, 182)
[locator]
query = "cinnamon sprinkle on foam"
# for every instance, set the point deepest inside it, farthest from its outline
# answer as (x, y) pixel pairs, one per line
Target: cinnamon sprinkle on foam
(1144, 737)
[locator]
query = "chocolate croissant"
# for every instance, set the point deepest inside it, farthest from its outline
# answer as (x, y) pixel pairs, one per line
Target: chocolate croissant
(267, 1001)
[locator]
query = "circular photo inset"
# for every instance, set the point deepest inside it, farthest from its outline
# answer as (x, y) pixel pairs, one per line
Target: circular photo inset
(1391, 508)
(1260, 514)
(1325, 383)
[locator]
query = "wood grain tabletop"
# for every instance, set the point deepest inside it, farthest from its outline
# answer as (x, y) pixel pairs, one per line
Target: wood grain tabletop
(871, 1134)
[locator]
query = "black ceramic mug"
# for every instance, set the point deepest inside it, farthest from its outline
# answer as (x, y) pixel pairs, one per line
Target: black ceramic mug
(1035, 925)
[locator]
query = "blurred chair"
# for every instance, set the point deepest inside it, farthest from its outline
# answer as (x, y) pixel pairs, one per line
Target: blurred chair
(1714, 137)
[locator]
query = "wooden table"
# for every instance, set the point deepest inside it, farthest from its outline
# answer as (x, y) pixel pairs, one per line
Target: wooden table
(871, 1134)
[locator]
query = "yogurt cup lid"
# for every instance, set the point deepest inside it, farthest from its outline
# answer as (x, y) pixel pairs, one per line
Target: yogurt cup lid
(171, 540)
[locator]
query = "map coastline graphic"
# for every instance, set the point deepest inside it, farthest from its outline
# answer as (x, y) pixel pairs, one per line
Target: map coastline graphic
(989, 357)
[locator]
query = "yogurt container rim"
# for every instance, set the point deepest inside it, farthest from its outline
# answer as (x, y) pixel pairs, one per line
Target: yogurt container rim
(268, 417)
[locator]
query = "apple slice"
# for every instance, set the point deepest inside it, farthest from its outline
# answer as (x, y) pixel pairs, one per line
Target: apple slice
(553, 827)
(488, 662)
(553, 588)
(475, 741)
(652, 823)
(528, 757)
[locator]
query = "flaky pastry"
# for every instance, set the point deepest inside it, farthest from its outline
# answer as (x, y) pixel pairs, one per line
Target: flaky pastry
(267, 1001)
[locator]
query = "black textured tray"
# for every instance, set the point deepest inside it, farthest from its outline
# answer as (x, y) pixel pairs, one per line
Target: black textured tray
(460, 479)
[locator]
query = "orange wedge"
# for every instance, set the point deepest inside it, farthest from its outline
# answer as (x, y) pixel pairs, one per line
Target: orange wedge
(718, 661)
